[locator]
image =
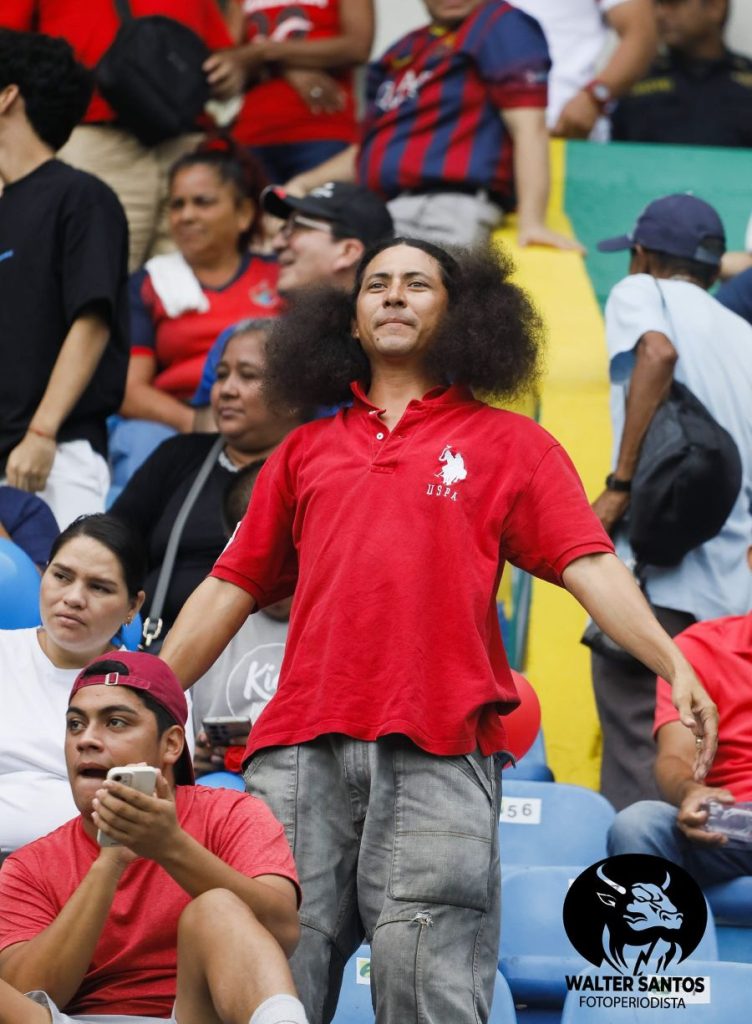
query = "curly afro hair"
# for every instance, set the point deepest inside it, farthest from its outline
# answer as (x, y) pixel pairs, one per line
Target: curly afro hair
(56, 89)
(491, 338)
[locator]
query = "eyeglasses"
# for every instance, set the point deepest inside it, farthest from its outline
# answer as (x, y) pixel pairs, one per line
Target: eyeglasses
(297, 221)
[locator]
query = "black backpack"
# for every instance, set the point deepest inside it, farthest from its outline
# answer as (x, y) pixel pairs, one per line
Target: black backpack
(687, 480)
(152, 76)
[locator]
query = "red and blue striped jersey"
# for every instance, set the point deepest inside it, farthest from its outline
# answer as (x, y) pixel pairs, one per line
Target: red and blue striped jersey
(433, 101)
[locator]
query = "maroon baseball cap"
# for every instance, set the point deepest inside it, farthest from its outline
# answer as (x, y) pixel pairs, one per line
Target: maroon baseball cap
(140, 671)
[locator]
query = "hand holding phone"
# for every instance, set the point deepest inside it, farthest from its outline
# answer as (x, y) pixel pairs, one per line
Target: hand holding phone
(227, 731)
(141, 777)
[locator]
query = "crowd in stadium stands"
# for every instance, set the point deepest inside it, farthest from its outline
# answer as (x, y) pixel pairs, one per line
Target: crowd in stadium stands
(248, 342)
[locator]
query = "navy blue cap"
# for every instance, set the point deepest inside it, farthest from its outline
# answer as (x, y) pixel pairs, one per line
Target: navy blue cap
(679, 225)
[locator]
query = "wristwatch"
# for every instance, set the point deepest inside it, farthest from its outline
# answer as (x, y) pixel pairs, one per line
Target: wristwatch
(600, 92)
(613, 484)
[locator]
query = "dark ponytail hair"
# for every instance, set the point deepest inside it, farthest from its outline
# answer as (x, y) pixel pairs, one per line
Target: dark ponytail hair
(118, 537)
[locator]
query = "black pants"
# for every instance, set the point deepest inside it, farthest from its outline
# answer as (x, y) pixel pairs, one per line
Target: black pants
(625, 698)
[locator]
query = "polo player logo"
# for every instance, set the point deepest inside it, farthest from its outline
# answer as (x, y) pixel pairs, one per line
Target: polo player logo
(453, 468)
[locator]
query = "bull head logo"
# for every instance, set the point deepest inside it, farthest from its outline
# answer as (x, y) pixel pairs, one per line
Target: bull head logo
(641, 916)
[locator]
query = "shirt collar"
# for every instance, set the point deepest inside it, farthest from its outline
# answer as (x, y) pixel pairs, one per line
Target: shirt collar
(455, 394)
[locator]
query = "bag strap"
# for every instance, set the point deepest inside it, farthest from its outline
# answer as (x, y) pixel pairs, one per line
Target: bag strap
(123, 9)
(153, 624)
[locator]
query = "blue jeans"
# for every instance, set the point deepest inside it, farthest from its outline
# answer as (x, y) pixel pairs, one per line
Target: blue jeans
(649, 826)
(401, 846)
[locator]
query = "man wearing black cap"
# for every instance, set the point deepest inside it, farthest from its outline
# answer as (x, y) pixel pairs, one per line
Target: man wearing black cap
(189, 918)
(323, 236)
(325, 233)
(661, 325)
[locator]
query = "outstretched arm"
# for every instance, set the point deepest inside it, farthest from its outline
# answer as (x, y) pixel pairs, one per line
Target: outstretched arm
(607, 591)
(209, 619)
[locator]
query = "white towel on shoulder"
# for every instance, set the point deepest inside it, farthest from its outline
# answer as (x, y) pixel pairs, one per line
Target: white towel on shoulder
(176, 285)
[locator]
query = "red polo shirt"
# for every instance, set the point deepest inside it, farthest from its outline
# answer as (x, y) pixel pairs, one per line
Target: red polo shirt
(399, 540)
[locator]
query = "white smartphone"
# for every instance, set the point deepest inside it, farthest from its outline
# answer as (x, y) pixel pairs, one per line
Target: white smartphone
(141, 777)
(223, 731)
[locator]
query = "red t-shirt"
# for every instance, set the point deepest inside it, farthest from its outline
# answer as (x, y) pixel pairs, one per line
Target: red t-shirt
(90, 26)
(399, 540)
(134, 966)
(273, 112)
(720, 652)
(180, 344)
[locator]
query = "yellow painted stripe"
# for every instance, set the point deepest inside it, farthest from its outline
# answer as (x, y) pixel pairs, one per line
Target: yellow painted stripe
(574, 408)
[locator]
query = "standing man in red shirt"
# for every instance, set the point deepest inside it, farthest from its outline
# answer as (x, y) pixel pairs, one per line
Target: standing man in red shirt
(393, 521)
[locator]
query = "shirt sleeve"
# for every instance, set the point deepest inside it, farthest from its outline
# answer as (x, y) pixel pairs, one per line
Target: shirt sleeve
(551, 522)
(29, 521)
(94, 250)
(634, 307)
(143, 333)
(261, 556)
(249, 838)
(512, 57)
(25, 907)
(202, 394)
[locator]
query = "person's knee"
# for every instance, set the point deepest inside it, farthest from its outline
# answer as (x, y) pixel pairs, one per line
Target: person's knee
(636, 829)
(214, 911)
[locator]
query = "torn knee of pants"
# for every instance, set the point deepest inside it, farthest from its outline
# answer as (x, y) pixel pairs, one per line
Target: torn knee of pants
(423, 918)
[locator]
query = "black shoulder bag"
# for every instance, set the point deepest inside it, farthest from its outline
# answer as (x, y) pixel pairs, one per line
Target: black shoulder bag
(152, 76)
(687, 480)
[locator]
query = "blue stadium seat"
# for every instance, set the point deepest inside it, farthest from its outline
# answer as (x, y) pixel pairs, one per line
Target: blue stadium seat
(552, 823)
(531, 767)
(536, 953)
(732, 908)
(131, 635)
(19, 588)
(354, 1006)
(730, 985)
(223, 780)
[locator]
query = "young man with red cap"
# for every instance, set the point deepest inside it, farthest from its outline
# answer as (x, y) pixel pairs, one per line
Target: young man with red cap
(190, 918)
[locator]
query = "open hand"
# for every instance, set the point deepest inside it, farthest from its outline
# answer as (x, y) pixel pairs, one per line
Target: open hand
(539, 234)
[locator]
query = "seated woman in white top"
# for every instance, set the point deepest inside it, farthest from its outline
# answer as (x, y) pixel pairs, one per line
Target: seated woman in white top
(89, 590)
